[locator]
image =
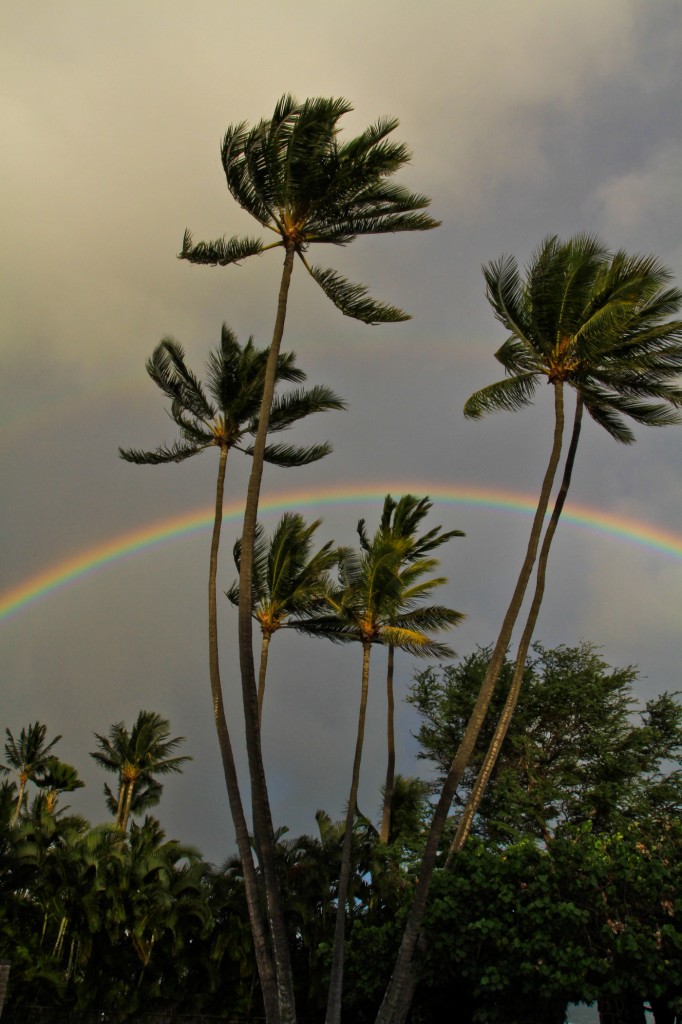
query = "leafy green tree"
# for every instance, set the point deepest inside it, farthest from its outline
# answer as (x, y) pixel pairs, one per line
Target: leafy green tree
(579, 749)
(137, 757)
(224, 414)
(378, 600)
(288, 582)
(294, 176)
(28, 756)
(595, 322)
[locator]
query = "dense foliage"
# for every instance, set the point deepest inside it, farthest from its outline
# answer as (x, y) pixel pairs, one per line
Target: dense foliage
(579, 902)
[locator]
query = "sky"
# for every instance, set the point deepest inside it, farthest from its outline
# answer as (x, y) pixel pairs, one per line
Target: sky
(525, 119)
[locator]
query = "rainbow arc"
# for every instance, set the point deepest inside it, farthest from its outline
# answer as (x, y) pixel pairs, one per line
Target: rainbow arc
(173, 529)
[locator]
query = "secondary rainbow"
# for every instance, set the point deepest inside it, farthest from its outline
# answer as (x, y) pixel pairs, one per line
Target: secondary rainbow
(165, 531)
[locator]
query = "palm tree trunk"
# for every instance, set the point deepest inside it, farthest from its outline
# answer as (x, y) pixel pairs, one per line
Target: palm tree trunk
(261, 949)
(122, 789)
(264, 647)
(20, 799)
(498, 739)
(126, 810)
(390, 738)
(262, 818)
(336, 977)
(395, 1007)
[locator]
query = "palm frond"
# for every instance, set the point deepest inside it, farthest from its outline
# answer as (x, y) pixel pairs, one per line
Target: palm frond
(292, 406)
(221, 252)
(414, 642)
(176, 452)
(168, 370)
(517, 357)
(505, 395)
(327, 627)
(611, 421)
(429, 618)
(505, 293)
(353, 301)
(290, 455)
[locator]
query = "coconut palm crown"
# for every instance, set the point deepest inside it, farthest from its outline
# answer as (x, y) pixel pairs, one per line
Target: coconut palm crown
(288, 582)
(297, 179)
(595, 321)
(138, 756)
(29, 756)
(224, 412)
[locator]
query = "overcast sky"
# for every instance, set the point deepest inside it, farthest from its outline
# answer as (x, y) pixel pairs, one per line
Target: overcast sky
(525, 119)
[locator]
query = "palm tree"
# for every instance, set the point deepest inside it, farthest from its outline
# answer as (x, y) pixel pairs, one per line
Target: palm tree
(291, 173)
(27, 756)
(401, 519)
(378, 601)
(225, 415)
(137, 757)
(57, 777)
(594, 321)
(623, 377)
(288, 583)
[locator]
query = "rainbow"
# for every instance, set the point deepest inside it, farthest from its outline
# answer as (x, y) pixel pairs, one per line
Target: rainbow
(162, 532)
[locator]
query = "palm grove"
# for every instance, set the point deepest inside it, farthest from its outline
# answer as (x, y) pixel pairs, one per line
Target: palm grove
(582, 318)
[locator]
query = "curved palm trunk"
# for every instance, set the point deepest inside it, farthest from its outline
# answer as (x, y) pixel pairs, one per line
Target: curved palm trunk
(262, 672)
(262, 818)
(395, 1005)
(498, 739)
(336, 977)
(261, 949)
(390, 739)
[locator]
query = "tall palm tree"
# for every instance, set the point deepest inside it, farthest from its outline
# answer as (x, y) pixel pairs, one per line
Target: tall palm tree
(598, 323)
(379, 600)
(622, 378)
(294, 176)
(27, 756)
(137, 756)
(225, 415)
(401, 519)
(288, 582)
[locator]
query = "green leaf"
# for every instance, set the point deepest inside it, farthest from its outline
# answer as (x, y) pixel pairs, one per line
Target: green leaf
(353, 301)
(221, 252)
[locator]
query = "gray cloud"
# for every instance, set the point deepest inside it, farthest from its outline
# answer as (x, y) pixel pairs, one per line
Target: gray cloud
(525, 119)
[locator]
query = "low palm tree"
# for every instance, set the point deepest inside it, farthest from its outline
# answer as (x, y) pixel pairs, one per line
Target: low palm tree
(378, 600)
(137, 757)
(288, 582)
(295, 177)
(55, 778)
(224, 414)
(401, 519)
(28, 756)
(596, 322)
